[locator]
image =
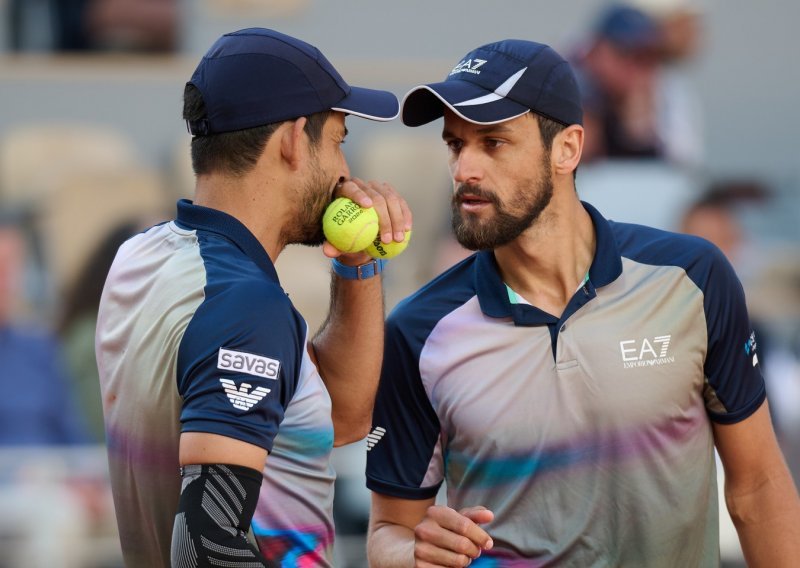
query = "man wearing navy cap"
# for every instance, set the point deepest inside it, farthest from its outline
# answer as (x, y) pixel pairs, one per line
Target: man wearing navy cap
(567, 382)
(205, 364)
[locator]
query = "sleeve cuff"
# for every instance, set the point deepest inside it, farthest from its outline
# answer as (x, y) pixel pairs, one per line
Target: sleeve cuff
(392, 490)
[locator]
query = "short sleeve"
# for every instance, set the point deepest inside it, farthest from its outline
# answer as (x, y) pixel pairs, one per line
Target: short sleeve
(239, 361)
(735, 385)
(404, 456)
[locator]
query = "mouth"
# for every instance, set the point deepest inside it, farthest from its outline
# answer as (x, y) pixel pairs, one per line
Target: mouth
(472, 203)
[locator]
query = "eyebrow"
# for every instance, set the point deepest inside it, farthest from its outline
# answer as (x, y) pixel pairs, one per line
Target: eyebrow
(490, 129)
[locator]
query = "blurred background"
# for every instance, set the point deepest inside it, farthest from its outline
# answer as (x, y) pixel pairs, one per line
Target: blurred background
(691, 119)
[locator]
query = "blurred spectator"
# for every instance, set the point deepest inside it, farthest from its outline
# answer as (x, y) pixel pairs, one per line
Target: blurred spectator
(43, 523)
(680, 24)
(36, 407)
(79, 25)
(716, 216)
(633, 108)
(78, 321)
(133, 25)
(681, 118)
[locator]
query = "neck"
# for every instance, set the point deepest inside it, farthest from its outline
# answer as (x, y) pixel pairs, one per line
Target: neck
(549, 261)
(253, 200)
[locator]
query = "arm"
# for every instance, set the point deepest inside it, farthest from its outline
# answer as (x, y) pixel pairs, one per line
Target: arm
(348, 349)
(759, 491)
(221, 481)
(406, 532)
(223, 443)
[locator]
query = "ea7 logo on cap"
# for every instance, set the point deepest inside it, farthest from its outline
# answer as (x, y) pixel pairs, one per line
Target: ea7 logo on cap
(468, 66)
(248, 363)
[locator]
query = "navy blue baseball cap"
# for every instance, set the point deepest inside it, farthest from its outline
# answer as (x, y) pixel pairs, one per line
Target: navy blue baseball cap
(500, 81)
(257, 76)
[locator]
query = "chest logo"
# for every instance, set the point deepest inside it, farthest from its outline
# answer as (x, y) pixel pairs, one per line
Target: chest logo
(241, 397)
(248, 363)
(646, 352)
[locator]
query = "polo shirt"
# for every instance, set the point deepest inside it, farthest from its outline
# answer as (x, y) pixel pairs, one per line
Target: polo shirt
(195, 334)
(588, 433)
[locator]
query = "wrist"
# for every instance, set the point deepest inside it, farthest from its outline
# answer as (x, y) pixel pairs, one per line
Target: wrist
(362, 271)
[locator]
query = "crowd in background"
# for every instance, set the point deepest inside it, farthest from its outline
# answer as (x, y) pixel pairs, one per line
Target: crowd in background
(60, 227)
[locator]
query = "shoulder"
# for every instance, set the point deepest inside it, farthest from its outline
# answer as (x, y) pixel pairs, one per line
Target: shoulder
(416, 316)
(647, 245)
(253, 302)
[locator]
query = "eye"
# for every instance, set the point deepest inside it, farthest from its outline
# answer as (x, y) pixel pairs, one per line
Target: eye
(454, 145)
(494, 143)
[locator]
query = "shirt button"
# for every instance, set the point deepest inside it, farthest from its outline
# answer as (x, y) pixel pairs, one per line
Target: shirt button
(563, 327)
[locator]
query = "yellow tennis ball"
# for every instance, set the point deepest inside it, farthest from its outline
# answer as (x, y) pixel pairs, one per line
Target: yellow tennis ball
(348, 226)
(378, 249)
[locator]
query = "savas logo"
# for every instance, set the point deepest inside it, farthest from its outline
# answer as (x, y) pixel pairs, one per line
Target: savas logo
(241, 362)
(468, 66)
(646, 352)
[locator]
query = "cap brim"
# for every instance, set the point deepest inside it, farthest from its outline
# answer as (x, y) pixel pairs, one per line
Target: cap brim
(369, 103)
(471, 102)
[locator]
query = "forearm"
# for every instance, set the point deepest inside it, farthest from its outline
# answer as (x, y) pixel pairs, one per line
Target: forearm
(214, 514)
(390, 546)
(349, 352)
(767, 519)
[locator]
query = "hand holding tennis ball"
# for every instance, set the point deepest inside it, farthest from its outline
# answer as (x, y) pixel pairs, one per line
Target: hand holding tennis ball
(352, 228)
(379, 249)
(348, 226)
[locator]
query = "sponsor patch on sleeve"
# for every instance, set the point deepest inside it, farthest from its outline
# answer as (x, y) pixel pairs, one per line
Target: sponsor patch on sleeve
(248, 363)
(750, 347)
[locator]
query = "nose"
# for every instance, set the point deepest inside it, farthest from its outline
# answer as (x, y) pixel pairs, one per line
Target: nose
(466, 167)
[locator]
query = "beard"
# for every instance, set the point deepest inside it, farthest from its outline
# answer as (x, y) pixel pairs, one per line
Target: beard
(316, 196)
(508, 222)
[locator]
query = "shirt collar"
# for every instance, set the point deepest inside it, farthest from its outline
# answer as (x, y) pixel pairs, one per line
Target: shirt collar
(492, 294)
(193, 216)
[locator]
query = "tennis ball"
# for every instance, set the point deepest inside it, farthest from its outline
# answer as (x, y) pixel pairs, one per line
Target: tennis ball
(348, 226)
(378, 249)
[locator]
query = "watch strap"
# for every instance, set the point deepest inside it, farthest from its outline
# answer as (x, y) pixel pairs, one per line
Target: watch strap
(360, 272)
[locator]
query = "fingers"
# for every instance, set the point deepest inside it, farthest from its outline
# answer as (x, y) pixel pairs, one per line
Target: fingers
(446, 537)
(394, 215)
(478, 515)
(355, 258)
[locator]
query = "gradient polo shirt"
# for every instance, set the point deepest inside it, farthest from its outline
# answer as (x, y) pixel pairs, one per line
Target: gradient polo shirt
(195, 334)
(587, 433)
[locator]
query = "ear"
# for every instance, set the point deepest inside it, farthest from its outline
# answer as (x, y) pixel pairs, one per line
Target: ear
(567, 149)
(294, 146)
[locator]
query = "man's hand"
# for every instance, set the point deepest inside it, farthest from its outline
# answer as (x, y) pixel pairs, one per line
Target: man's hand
(447, 537)
(394, 216)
